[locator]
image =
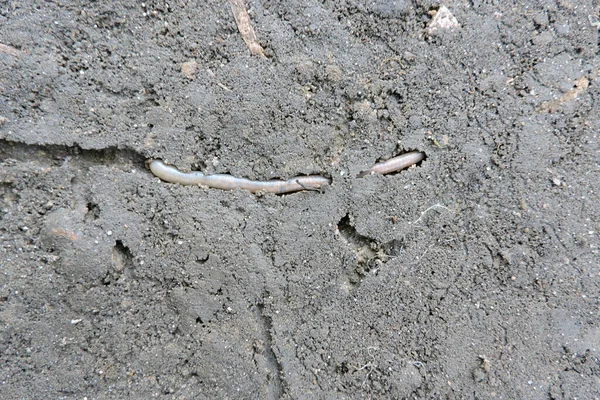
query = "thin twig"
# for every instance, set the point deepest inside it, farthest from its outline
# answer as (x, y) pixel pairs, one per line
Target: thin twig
(214, 76)
(242, 19)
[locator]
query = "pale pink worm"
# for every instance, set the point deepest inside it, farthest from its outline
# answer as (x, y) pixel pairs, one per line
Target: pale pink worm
(395, 164)
(171, 174)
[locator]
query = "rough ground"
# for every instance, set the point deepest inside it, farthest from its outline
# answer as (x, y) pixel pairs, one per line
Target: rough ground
(475, 274)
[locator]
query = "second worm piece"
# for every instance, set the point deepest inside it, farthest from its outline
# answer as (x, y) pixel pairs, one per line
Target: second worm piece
(227, 182)
(395, 164)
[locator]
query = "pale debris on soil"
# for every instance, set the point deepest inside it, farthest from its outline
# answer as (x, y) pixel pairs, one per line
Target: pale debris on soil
(242, 19)
(581, 85)
(443, 19)
(9, 50)
(189, 69)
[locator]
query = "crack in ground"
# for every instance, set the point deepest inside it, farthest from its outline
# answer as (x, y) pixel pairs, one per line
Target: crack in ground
(70, 155)
(265, 325)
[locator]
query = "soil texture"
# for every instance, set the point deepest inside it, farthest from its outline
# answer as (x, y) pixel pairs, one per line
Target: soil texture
(474, 274)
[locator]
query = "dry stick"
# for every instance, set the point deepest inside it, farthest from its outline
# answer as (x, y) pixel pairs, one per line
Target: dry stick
(214, 76)
(242, 19)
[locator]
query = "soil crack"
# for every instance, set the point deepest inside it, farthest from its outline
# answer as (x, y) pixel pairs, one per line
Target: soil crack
(265, 325)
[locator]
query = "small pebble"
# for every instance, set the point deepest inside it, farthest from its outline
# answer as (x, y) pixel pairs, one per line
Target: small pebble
(189, 69)
(442, 20)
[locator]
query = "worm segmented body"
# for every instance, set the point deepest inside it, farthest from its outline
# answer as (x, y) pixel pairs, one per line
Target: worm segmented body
(227, 182)
(311, 182)
(395, 164)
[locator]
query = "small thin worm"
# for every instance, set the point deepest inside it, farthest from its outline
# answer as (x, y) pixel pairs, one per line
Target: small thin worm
(227, 182)
(395, 164)
(171, 174)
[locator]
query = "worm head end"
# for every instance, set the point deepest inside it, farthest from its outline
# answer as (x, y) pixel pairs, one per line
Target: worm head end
(147, 163)
(362, 174)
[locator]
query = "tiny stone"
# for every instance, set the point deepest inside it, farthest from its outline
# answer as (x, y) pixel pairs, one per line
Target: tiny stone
(442, 20)
(189, 69)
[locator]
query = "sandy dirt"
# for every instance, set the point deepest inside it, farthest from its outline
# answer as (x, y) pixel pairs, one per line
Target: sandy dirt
(473, 275)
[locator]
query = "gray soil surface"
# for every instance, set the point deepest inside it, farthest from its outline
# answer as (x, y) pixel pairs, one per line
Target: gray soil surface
(473, 275)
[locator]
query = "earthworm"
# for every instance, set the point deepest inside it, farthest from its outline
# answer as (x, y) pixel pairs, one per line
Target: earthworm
(171, 174)
(227, 182)
(395, 164)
